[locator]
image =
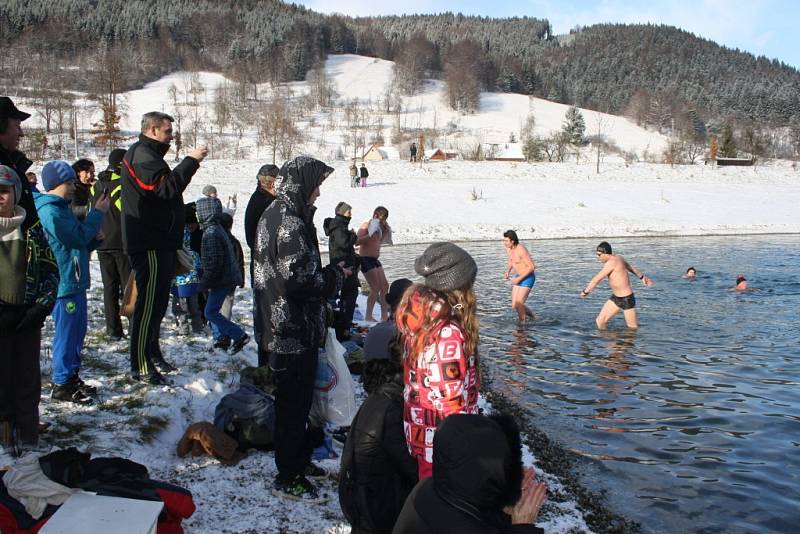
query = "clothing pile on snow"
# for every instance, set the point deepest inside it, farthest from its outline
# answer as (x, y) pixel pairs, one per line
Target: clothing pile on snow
(204, 438)
(248, 416)
(29, 496)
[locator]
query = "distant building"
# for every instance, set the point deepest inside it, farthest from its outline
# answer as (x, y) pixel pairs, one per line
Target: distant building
(380, 153)
(440, 154)
(506, 152)
(736, 162)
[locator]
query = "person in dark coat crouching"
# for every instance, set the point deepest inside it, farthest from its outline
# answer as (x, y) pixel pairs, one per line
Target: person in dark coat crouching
(477, 473)
(291, 288)
(377, 472)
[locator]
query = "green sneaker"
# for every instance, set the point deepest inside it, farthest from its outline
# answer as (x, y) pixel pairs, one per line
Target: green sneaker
(298, 489)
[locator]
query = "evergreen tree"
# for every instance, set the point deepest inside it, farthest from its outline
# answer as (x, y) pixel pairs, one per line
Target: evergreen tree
(574, 126)
(727, 148)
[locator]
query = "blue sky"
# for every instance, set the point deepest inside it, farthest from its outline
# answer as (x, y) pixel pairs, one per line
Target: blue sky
(762, 27)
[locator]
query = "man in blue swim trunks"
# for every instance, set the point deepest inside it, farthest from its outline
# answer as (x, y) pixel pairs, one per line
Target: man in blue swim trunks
(520, 261)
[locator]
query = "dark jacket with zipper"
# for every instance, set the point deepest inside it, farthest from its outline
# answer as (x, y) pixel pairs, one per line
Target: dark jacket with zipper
(476, 473)
(290, 285)
(17, 161)
(152, 197)
(377, 472)
(341, 241)
(111, 182)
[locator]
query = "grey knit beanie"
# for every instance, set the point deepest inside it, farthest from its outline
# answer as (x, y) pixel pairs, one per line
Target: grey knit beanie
(342, 208)
(446, 267)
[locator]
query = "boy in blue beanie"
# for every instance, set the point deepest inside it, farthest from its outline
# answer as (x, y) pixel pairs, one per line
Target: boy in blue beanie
(71, 241)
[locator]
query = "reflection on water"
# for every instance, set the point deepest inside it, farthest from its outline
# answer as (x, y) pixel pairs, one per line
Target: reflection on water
(691, 423)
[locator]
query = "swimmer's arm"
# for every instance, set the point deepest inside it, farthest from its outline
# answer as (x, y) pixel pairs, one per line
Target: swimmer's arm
(639, 274)
(604, 272)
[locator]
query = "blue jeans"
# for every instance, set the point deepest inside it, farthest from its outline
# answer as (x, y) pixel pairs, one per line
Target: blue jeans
(220, 326)
(70, 317)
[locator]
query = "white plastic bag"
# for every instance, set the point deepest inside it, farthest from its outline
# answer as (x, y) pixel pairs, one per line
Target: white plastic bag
(336, 399)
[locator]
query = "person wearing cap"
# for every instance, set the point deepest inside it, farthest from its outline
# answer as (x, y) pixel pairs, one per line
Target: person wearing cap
(72, 241)
(439, 324)
(261, 198)
(377, 472)
(616, 269)
(28, 290)
(341, 248)
(379, 338)
(209, 191)
(11, 120)
(152, 232)
(291, 289)
(115, 268)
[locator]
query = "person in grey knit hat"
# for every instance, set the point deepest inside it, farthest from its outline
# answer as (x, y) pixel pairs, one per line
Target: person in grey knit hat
(446, 266)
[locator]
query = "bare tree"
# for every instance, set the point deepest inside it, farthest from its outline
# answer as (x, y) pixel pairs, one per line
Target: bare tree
(356, 123)
(277, 128)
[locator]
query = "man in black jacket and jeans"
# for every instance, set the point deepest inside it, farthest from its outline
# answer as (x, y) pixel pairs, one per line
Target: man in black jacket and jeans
(152, 232)
(261, 198)
(114, 265)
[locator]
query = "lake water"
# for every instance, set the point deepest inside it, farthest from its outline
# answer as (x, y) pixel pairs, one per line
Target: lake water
(691, 423)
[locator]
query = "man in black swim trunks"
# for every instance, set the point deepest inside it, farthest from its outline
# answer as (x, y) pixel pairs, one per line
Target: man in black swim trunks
(616, 268)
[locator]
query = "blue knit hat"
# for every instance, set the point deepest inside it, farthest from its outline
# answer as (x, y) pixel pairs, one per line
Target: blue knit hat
(56, 173)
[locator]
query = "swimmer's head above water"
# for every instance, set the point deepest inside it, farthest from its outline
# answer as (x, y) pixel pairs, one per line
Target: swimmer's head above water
(603, 251)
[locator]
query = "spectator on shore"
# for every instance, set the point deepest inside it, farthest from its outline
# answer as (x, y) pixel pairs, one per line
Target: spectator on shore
(413, 152)
(185, 299)
(33, 181)
(209, 191)
(354, 175)
(341, 248)
(11, 120)
(261, 198)
(72, 241)
(439, 325)
(479, 485)
(28, 290)
(371, 235)
(380, 336)
(363, 174)
(226, 220)
(291, 290)
(377, 473)
(152, 231)
(115, 268)
(84, 170)
(220, 275)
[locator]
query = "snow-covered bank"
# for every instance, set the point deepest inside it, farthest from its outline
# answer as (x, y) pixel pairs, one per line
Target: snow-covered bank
(435, 201)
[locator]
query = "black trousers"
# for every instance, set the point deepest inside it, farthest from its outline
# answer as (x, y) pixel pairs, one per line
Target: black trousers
(154, 271)
(21, 382)
(293, 375)
(347, 304)
(114, 269)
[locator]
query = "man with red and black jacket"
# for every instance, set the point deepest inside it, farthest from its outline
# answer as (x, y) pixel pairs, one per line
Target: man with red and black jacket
(152, 232)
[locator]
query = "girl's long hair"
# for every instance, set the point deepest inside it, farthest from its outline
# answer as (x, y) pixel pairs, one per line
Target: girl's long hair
(423, 312)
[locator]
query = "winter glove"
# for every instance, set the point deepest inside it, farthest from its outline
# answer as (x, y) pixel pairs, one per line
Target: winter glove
(34, 318)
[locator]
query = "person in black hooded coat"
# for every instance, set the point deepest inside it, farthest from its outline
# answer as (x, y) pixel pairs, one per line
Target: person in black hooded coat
(341, 248)
(291, 289)
(477, 473)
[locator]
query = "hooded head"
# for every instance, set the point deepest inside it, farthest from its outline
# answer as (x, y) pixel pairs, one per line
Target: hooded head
(9, 177)
(477, 462)
(208, 211)
(296, 181)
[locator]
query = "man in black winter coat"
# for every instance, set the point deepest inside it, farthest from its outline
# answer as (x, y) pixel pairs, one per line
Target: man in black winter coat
(152, 232)
(115, 268)
(377, 473)
(341, 248)
(261, 198)
(11, 120)
(291, 289)
(477, 474)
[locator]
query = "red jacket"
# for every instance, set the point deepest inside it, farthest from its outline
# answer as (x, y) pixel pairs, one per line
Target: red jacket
(441, 381)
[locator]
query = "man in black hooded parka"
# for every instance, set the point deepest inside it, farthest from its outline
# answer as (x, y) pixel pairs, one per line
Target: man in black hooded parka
(477, 473)
(291, 289)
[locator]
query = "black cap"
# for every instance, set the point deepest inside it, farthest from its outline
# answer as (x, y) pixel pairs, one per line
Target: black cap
(9, 111)
(396, 291)
(115, 157)
(268, 170)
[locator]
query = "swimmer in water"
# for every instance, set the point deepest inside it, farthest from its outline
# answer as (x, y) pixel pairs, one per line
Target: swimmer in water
(616, 269)
(691, 273)
(520, 261)
(741, 284)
